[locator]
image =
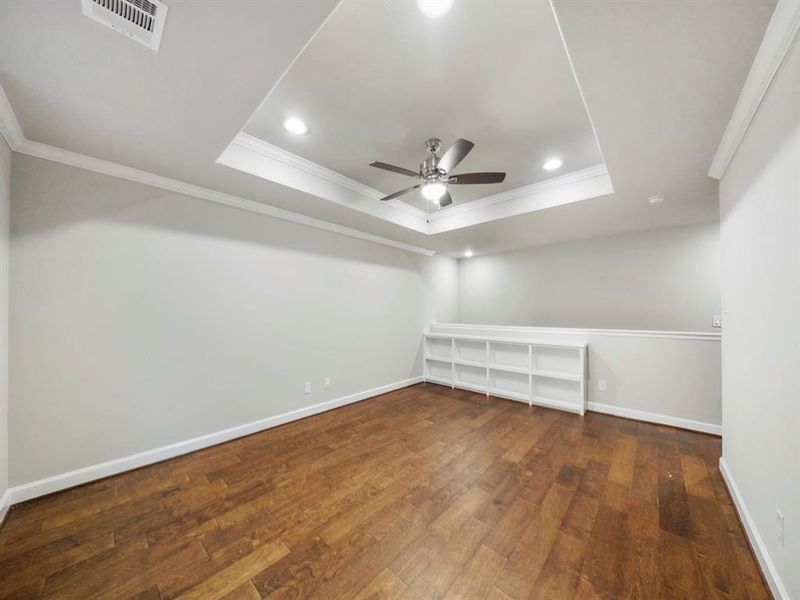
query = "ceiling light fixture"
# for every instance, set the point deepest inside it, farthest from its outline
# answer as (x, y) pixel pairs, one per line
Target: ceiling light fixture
(468, 254)
(657, 199)
(295, 126)
(551, 164)
(434, 8)
(434, 190)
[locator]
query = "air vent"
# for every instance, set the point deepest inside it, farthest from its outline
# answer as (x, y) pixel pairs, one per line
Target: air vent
(141, 20)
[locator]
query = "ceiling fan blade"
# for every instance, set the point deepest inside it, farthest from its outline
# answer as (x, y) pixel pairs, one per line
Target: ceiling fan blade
(400, 193)
(477, 178)
(445, 200)
(393, 169)
(455, 154)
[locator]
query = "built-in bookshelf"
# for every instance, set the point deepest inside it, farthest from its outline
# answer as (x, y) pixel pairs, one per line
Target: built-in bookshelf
(541, 372)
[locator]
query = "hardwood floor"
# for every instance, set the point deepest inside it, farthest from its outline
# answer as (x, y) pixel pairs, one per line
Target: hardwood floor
(421, 493)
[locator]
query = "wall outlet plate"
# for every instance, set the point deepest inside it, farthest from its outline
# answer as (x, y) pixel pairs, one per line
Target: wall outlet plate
(716, 321)
(779, 526)
(601, 385)
(327, 383)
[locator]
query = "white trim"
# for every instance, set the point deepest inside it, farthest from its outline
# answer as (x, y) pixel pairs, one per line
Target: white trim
(526, 191)
(586, 184)
(778, 38)
(649, 417)
(262, 159)
(9, 126)
(678, 335)
(577, 81)
(768, 568)
(5, 504)
(83, 475)
(11, 131)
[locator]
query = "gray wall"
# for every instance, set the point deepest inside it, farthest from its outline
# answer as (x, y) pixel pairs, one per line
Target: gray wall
(140, 317)
(665, 279)
(5, 202)
(760, 225)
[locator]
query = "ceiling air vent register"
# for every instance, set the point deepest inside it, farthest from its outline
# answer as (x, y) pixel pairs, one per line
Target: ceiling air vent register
(141, 20)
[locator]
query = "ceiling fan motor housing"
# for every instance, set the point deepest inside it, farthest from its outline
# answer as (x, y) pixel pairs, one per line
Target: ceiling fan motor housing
(429, 168)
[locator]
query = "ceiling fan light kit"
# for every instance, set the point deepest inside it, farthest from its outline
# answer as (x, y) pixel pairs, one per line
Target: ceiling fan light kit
(433, 174)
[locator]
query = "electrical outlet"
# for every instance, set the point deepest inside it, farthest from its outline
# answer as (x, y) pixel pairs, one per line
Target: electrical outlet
(779, 526)
(601, 385)
(327, 383)
(307, 387)
(716, 321)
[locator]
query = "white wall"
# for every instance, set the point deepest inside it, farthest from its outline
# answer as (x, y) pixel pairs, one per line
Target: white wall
(760, 235)
(140, 317)
(666, 279)
(5, 202)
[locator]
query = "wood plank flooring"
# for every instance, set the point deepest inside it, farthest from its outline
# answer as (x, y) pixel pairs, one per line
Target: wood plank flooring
(422, 493)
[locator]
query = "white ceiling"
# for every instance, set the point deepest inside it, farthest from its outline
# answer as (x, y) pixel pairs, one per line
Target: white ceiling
(660, 80)
(380, 78)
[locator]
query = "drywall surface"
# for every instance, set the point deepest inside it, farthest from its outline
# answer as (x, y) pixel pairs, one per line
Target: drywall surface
(760, 241)
(665, 279)
(662, 378)
(5, 203)
(141, 318)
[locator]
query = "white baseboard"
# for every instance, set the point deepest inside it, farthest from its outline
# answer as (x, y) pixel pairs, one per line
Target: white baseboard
(641, 415)
(5, 504)
(70, 479)
(765, 562)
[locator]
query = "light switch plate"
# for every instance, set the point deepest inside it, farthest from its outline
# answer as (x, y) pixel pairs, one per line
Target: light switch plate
(716, 321)
(307, 387)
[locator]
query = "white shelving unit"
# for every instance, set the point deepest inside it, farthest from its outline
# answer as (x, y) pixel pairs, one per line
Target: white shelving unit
(541, 372)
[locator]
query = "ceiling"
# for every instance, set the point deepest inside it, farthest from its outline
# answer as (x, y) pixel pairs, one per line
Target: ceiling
(377, 92)
(659, 80)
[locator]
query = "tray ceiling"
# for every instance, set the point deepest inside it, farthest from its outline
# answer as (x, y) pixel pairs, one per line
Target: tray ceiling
(378, 79)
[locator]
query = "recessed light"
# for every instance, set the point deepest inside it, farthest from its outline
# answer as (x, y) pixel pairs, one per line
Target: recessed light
(657, 199)
(295, 126)
(434, 191)
(434, 8)
(551, 164)
(468, 254)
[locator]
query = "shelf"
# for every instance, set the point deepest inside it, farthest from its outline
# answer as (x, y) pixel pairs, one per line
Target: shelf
(546, 372)
(503, 393)
(472, 387)
(559, 404)
(501, 340)
(556, 375)
(509, 369)
(439, 359)
(469, 363)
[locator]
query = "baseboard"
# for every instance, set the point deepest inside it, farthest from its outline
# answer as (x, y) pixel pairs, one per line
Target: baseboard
(83, 475)
(756, 543)
(641, 415)
(5, 504)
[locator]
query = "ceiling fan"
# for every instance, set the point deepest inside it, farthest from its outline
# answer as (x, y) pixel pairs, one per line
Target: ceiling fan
(434, 172)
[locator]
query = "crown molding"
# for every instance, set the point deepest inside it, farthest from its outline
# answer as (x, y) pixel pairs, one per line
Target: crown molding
(597, 171)
(580, 185)
(9, 126)
(12, 132)
(778, 39)
(262, 159)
